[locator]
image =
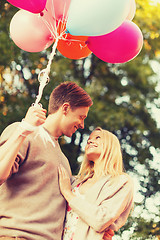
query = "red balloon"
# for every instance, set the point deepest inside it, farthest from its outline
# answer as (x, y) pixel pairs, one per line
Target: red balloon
(34, 6)
(119, 46)
(73, 47)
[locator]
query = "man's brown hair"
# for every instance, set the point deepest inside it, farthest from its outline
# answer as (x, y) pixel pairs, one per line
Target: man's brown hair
(68, 92)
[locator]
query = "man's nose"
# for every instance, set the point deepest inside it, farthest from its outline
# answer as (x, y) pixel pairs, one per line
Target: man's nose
(81, 125)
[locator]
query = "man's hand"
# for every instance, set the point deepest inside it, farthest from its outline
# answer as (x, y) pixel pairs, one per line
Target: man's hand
(35, 116)
(108, 234)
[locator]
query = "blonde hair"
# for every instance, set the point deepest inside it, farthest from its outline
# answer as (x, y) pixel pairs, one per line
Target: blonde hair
(110, 160)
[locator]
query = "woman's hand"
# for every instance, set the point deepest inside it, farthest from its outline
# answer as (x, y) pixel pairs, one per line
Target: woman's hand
(65, 183)
(108, 234)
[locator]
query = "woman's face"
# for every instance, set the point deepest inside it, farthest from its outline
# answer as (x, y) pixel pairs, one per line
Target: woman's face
(94, 146)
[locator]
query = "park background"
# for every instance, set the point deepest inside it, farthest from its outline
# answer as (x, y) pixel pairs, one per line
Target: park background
(126, 101)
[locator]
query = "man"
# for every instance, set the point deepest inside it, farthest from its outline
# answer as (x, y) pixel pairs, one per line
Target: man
(31, 206)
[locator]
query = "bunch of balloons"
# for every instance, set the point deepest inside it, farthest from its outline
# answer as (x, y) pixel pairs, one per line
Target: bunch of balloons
(78, 28)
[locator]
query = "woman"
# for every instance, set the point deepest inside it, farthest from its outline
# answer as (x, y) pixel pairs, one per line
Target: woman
(101, 196)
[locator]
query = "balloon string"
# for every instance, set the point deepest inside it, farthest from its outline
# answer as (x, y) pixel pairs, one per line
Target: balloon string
(51, 28)
(53, 9)
(63, 15)
(52, 55)
(40, 91)
(75, 40)
(46, 72)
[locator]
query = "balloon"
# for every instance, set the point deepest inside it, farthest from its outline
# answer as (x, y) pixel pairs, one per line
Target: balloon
(58, 9)
(54, 14)
(57, 27)
(34, 6)
(73, 47)
(96, 17)
(29, 32)
(119, 46)
(132, 10)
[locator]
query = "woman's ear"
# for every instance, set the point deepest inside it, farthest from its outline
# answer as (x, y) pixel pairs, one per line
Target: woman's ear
(65, 108)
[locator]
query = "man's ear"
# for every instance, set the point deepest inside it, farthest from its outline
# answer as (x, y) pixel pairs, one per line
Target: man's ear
(65, 108)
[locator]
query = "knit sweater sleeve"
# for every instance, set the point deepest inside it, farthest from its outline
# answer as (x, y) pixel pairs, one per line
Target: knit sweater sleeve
(23, 150)
(108, 211)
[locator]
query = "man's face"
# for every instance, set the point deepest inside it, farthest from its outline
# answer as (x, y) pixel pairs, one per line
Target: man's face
(73, 120)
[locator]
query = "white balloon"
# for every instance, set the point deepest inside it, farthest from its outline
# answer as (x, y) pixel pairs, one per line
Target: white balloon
(96, 17)
(132, 10)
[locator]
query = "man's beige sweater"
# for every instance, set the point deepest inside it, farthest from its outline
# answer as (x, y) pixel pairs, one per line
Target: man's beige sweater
(31, 205)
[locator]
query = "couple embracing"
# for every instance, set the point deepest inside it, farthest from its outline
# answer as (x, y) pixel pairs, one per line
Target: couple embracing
(39, 197)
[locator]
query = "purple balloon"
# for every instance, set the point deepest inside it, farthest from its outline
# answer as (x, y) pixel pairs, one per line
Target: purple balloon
(119, 46)
(34, 6)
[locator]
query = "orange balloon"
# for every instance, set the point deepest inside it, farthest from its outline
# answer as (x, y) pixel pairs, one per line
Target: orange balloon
(73, 47)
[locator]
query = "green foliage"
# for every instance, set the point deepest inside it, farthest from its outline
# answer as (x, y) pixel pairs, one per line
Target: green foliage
(143, 230)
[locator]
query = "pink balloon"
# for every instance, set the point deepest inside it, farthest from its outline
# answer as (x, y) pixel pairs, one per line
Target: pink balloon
(119, 46)
(132, 10)
(58, 9)
(29, 32)
(34, 6)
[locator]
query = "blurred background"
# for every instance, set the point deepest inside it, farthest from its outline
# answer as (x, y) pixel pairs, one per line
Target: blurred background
(126, 101)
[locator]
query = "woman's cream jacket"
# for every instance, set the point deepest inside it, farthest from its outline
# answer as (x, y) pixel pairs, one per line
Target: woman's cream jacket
(107, 204)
